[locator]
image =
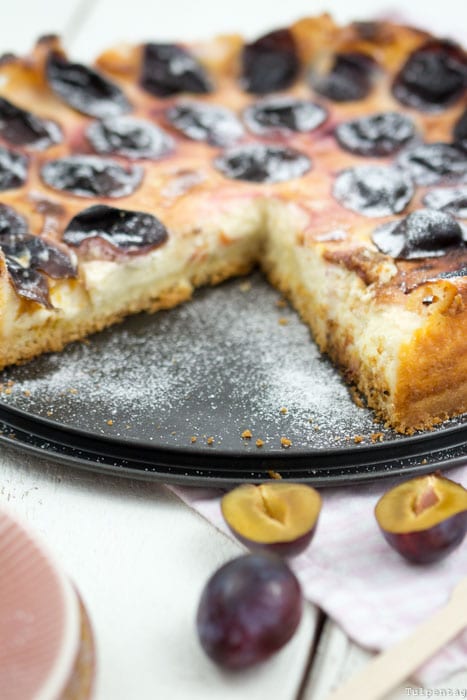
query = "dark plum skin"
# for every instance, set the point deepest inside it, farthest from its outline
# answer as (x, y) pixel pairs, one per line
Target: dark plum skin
(129, 231)
(13, 169)
(376, 135)
(281, 549)
(41, 256)
(284, 114)
(424, 518)
(452, 200)
(262, 163)
(129, 137)
(428, 546)
(433, 77)
(90, 176)
(199, 121)
(12, 225)
(460, 131)
(168, 69)
(433, 163)
(373, 190)
(29, 283)
(22, 128)
(84, 89)
(28, 256)
(426, 233)
(270, 63)
(349, 79)
(249, 609)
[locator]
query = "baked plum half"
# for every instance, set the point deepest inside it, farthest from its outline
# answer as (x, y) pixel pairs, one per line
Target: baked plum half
(270, 63)
(277, 517)
(425, 518)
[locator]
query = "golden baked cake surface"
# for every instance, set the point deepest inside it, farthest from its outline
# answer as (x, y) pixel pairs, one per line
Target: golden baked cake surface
(335, 157)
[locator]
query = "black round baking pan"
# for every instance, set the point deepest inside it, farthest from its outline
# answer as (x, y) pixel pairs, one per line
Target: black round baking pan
(162, 467)
(172, 394)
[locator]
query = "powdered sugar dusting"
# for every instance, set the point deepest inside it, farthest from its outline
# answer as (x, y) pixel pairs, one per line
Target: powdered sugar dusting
(230, 360)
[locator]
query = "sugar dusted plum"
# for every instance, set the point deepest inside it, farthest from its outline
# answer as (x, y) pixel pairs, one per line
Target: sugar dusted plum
(249, 609)
(274, 115)
(425, 518)
(256, 162)
(377, 135)
(425, 233)
(13, 169)
(128, 231)
(129, 137)
(216, 125)
(91, 176)
(373, 190)
(84, 89)
(21, 128)
(279, 517)
(452, 200)
(434, 163)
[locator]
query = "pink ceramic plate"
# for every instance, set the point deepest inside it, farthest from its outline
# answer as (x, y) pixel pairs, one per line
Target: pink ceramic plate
(46, 650)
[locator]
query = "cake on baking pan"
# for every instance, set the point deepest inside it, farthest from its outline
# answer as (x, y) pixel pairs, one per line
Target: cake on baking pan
(333, 157)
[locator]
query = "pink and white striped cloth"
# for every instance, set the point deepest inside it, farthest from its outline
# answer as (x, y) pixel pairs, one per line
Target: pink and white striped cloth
(359, 580)
(349, 570)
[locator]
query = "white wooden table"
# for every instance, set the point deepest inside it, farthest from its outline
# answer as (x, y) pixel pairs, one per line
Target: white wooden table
(138, 555)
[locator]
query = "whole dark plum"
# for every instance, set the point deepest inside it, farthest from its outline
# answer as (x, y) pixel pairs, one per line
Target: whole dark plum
(433, 77)
(270, 63)
(249, 609)
(22, 128)
(84, 89)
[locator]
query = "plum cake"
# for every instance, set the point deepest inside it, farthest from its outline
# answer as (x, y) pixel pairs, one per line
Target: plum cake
(335, 158)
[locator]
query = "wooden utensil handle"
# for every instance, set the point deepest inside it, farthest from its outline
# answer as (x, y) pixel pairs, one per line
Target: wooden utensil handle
(390, 668)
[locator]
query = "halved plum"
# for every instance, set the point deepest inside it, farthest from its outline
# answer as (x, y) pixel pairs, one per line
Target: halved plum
(280, 517)
(425, 518)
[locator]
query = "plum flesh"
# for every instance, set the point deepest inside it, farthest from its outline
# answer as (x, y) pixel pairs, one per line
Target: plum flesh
(276, 517)
(424, 519)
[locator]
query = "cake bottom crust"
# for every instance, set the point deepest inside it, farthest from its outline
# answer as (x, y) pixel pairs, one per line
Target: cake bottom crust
(55, 334)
